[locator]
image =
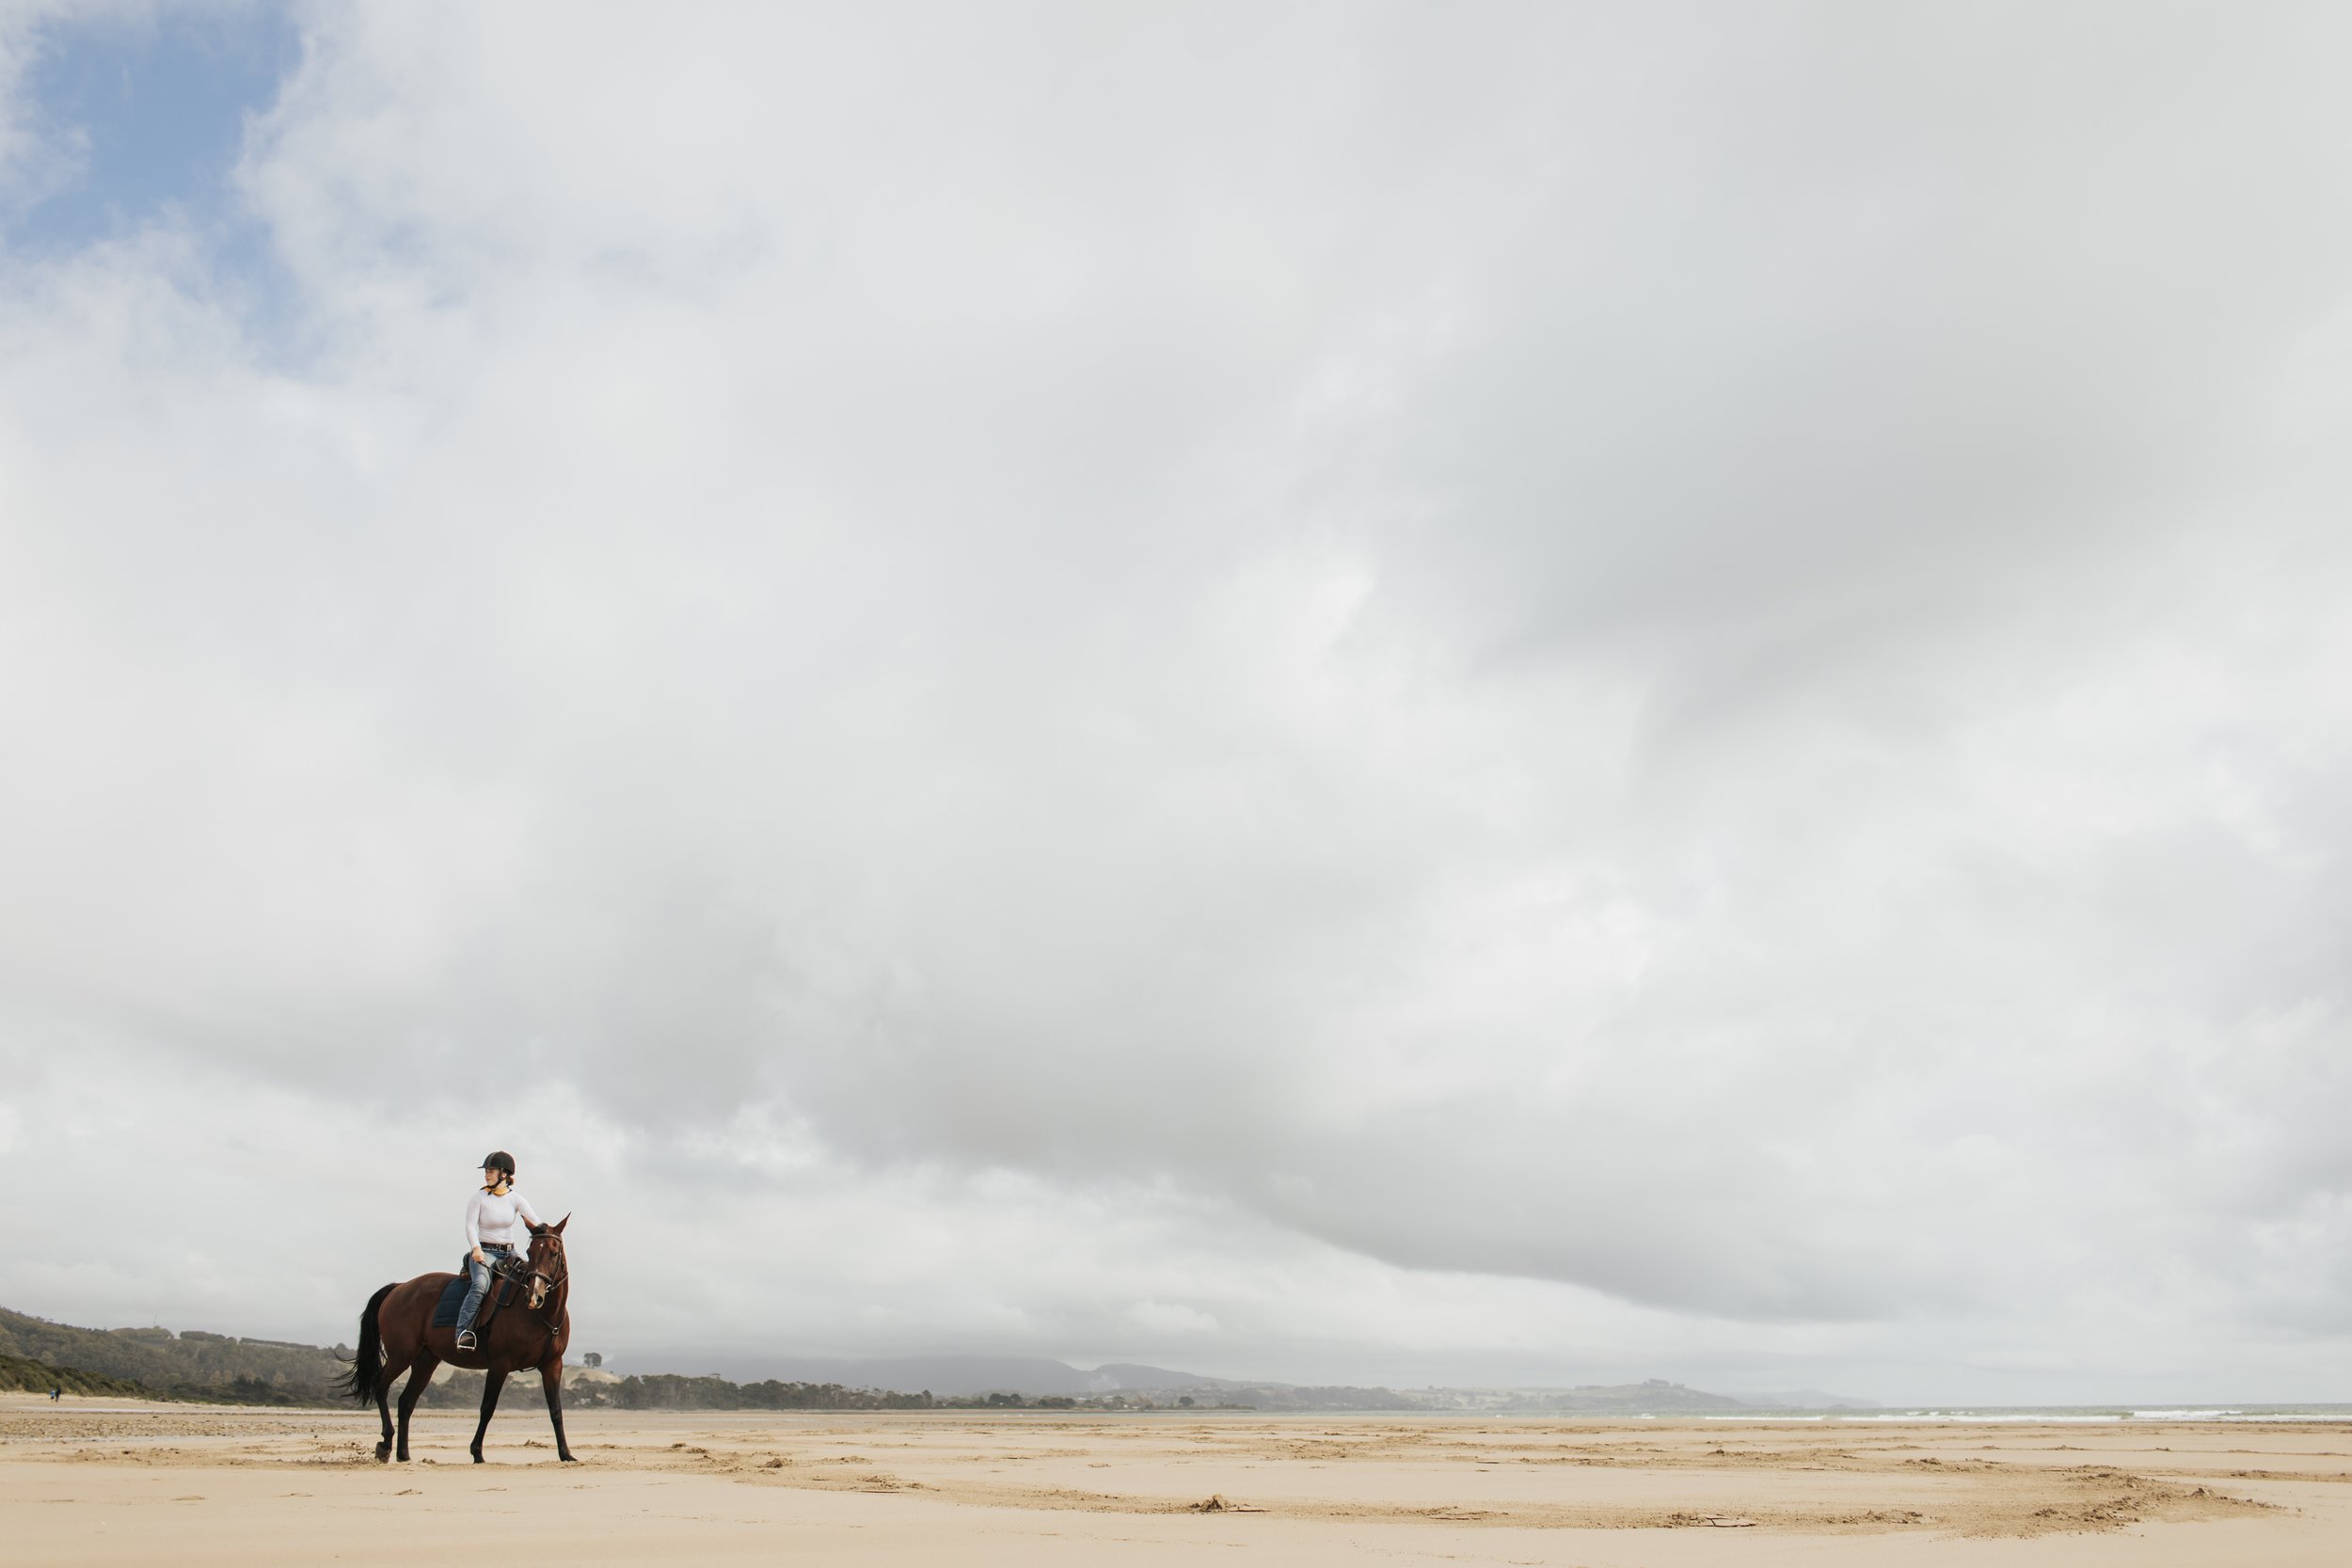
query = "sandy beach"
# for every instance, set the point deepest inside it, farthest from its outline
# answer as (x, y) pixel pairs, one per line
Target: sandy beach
(115, 1483)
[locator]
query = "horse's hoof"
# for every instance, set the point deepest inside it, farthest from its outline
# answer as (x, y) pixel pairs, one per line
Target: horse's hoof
(566, 1458)
(477, 1459)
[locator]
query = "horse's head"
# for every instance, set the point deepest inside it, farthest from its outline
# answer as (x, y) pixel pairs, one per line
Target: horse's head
(547, 1268)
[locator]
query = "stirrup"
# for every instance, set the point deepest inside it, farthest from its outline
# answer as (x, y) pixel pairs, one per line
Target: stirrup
(465, 1339)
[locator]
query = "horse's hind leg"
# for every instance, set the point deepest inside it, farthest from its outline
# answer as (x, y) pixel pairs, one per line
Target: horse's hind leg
(384, 1410)
(418, 1380)
(385, 1377)
(492, 1381)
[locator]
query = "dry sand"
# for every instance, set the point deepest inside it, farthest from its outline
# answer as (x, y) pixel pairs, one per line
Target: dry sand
(112, 1482)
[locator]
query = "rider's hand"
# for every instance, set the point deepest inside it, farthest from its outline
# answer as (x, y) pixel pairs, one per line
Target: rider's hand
(478, 1257)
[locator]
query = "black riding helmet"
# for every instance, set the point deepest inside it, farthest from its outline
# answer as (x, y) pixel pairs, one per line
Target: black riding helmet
(498, 1160)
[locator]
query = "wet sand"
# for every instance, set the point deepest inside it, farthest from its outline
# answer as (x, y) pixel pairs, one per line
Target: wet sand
(113, 1483)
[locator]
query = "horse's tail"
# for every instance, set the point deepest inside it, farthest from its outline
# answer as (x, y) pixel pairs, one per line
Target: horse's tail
(367, 1362)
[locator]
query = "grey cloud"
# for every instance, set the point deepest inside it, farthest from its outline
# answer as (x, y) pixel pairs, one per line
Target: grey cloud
(1672, 652)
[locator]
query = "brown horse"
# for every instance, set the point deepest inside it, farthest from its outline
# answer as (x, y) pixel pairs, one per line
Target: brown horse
(396, 1336)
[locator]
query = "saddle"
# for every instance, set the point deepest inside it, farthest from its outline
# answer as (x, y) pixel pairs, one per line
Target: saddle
(505, 1275)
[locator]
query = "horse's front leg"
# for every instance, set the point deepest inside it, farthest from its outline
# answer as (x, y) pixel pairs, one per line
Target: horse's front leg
(552, 1379)
(417, 1381)
(492, 1381)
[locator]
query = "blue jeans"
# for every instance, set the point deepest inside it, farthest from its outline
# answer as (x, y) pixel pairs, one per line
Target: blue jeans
(477, 1284)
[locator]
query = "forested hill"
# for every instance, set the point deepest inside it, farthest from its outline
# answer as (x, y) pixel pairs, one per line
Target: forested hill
(193, 1365)
(18, 1375)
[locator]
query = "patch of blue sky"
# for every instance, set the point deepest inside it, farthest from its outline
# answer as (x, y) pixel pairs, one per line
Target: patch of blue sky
(141, 119)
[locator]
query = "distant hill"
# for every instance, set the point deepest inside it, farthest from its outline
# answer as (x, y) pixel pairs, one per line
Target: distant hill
(1806, 1399)
(19, 1376)
(1656, 1397)
(959, 1375)
(196, 1365)
(218, 1367)
(1036, 1377)
(1126, 1375)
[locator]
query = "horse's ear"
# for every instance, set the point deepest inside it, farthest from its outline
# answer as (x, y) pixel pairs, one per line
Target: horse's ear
(561, 1223)
(536, 1228)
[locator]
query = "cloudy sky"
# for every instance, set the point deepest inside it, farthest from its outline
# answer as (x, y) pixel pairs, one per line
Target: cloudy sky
(1332, 691)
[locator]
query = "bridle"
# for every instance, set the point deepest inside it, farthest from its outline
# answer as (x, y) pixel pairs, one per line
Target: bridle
(550, 1284)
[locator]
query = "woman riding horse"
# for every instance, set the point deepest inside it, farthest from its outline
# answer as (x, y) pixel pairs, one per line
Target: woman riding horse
(490, 1217)
(398, 1335)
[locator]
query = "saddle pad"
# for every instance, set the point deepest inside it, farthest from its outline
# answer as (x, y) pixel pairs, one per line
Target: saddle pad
(454, 1296)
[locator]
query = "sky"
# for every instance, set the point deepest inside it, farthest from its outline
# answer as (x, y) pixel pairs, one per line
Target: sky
(1531, 694)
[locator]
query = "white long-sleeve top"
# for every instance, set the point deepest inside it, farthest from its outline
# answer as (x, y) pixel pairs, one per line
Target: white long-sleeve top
(491, 1220)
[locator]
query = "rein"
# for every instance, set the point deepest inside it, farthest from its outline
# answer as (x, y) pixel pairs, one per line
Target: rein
(550, 1286)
